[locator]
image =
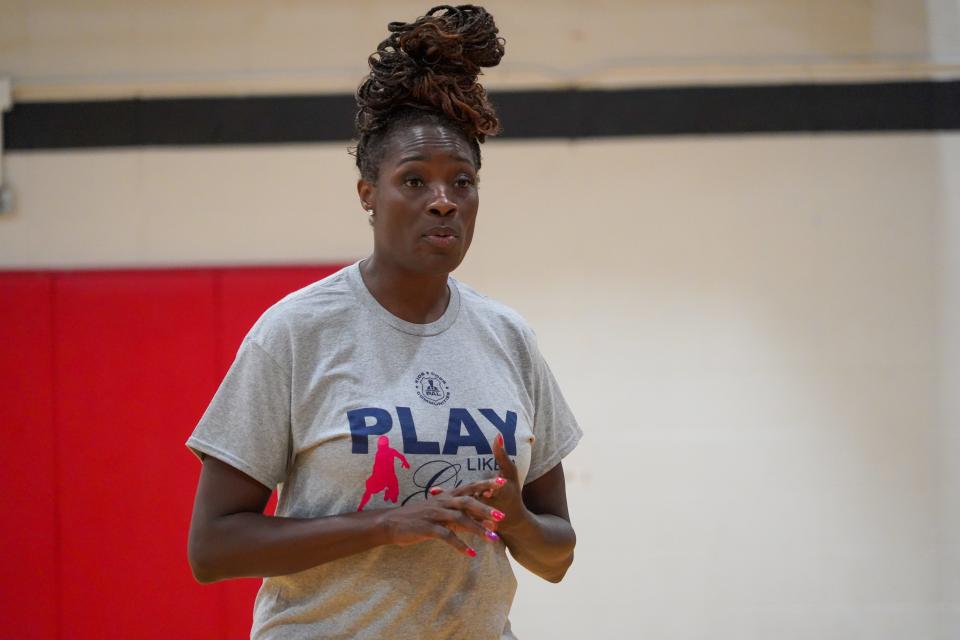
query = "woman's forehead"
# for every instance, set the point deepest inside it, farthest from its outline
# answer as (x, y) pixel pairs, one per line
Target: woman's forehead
(424, 141)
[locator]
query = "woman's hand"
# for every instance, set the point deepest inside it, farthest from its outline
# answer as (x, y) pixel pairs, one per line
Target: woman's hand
(444, 513)
(508, 499)
(535, 524)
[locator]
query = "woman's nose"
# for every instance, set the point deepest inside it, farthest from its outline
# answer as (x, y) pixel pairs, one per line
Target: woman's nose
(441, 204)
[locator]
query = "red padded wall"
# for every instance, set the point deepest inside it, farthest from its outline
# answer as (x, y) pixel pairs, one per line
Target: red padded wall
(28, 459)
(105, 375)
(131, 348)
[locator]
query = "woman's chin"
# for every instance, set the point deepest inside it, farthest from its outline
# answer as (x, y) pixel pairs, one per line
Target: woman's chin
(441, 261)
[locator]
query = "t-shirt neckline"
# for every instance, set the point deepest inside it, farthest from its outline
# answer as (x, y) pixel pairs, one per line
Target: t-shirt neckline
(438, 326)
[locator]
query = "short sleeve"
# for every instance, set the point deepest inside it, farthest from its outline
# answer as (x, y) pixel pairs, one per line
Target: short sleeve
(247, 424)
(555, 429)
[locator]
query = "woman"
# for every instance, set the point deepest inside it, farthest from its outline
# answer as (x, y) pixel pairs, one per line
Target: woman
(412, 424)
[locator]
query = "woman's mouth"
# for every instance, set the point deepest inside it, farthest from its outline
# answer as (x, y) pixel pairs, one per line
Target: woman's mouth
(442, 237)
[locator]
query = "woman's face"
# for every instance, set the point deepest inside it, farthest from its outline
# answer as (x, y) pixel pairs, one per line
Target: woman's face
(425, 199)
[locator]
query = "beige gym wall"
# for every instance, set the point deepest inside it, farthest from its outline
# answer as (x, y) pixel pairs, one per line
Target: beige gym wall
(758, 333)
(68, 49)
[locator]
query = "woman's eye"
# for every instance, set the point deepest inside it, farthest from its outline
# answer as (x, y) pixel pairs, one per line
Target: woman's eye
(464, 181)
(413, 182)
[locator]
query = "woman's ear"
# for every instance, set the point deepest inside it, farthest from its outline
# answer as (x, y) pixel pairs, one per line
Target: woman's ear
(368, 195)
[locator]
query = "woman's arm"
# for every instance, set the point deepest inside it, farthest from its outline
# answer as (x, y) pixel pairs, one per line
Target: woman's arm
(537, 527)
(543, 539)
(231, 538)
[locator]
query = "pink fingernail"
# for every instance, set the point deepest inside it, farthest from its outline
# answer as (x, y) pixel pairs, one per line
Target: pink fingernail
(490, 534)
(500, 439)
(500, 480)
(435, 490)
(471, 552)
(497, 515)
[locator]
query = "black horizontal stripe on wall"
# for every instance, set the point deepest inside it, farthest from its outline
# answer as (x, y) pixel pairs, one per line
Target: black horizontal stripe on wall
(564, 113)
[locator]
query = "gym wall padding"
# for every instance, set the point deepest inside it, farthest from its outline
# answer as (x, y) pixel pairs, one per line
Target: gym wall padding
(105, 374)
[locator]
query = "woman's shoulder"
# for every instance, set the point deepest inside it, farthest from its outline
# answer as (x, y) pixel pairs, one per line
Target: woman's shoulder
(494, 313)
(306, 310)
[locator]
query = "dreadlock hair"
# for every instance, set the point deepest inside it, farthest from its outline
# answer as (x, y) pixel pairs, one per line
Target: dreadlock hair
(426, 72)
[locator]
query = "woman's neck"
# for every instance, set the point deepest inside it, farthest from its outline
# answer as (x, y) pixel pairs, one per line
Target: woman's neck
(415, 297)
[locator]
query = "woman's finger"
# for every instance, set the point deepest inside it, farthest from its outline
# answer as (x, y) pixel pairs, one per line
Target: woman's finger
(468, 514)
(443, 533)
(480, 487)
(462, 522)
(475, 509)
(507, 469)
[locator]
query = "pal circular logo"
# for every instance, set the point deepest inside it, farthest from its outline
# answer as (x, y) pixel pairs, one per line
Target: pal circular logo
(432, 388)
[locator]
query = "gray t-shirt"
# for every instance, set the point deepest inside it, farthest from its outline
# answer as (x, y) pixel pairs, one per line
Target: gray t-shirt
(344, 405)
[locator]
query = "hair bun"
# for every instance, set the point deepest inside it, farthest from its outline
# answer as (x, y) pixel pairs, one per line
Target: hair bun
(433, 64)
(452, 39)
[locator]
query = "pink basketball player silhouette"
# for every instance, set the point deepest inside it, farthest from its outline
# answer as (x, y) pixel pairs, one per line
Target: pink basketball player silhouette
(384, 476)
